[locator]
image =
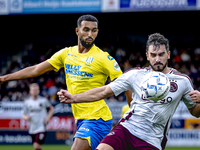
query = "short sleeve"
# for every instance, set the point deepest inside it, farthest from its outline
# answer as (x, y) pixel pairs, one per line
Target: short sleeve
(25, 109)
(57, 60)
(47, 103)
(111, 67)
(186, 97)
(121, 84)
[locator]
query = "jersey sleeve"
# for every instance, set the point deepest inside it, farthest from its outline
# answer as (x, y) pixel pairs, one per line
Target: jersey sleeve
(47, 103)
(111, 67)
(25, 109)
(121, 84)
(186, 97)
(57, 60)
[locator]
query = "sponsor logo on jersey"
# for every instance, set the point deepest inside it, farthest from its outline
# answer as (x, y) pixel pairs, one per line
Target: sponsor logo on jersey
(72, 55)
(89, 60)
(75, 70)
(35, 110)
(165, 100)
(110, 57)
(173, 86)
(85, 129)
(116, 66)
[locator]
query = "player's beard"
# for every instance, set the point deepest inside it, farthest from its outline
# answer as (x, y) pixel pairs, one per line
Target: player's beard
(159, 68)
(86, 44)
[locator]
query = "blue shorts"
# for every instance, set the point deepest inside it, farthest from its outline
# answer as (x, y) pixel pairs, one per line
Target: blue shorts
(93, 130)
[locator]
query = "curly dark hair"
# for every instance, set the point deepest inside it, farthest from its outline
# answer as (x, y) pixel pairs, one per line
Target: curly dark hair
(156, 40)
(86, 18)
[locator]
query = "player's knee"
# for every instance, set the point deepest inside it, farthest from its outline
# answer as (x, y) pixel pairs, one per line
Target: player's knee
(103, 146)
(80, 144)
(37, 146)
(80, 148)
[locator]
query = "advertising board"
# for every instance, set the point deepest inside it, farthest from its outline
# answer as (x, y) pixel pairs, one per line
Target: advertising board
(157, 5)
(183, 138)
(49, 6)
(14, 130)
(10, 7)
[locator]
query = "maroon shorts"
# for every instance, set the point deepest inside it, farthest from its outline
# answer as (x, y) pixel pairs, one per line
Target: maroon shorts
(38, 137)
(121, 139)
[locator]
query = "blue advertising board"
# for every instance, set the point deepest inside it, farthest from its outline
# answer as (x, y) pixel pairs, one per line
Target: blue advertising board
(157, 5)
(49, 6)
(23, 137)
(15, 137)
(93, 6)
(183, 138)
(177, 123)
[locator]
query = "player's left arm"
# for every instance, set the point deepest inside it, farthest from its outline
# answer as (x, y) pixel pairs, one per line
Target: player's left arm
(50, 114)
(195, 96)
(195, 111)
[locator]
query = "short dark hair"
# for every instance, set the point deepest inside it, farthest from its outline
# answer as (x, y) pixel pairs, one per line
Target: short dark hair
(156, 40)
(86, 18)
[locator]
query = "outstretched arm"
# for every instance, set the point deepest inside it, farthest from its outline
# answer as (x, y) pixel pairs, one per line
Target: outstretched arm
(28, 72)
(91, 95)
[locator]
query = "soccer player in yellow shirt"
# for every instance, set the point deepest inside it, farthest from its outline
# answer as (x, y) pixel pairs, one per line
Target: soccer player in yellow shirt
(86, 67)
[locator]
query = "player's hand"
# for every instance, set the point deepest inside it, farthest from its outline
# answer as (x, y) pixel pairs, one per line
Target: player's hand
(195, 96)
(65, 96)
(27, 118)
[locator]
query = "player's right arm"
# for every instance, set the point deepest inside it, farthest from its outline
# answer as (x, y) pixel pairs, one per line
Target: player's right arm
(120, 85)
(28, 72)
(91, 95)
(195, 96)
